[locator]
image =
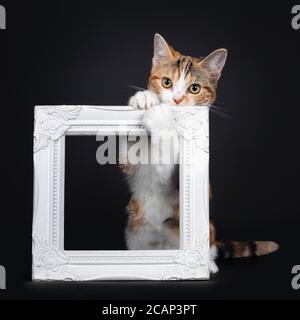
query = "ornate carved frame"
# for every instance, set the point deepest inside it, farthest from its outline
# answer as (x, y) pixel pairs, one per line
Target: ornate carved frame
(52, 262)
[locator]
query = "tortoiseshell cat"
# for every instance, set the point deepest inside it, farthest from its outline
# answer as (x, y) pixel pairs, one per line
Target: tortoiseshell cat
(153, 221)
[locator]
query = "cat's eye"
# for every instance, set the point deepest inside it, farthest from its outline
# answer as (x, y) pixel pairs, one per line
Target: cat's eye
(167, 83)
(194, 88)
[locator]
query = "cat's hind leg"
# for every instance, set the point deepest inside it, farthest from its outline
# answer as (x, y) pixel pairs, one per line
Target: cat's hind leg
(140, 234)
(146, 237)
(213, 251)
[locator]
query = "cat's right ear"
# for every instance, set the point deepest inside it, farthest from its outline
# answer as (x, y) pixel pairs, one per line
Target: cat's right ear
(162, 50)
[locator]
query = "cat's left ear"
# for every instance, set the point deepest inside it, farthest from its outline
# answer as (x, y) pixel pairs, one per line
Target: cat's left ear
(214, 63)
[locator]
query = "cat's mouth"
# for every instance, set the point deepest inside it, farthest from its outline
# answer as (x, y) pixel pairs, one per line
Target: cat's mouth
(181, 104)
(187, 104)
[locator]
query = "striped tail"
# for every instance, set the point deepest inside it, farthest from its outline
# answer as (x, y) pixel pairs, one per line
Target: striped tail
(241, 249)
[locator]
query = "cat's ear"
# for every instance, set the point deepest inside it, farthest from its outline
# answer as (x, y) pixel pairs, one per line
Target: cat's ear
(162, 51)
(214, 63)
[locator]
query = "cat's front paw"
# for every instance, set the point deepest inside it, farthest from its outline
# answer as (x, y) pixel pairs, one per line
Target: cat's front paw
(144, 100)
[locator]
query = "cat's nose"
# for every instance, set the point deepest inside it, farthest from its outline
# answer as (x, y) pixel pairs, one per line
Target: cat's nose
(178, 100)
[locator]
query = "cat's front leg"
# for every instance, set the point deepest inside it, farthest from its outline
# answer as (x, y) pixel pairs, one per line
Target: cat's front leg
(159, 118)
(159, 122)
(144, 100)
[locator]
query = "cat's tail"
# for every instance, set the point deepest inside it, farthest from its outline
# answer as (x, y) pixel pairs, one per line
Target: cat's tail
(241, 249)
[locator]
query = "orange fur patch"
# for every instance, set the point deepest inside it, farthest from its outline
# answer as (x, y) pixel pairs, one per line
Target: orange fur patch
(212, 234)
(240, 249)
(210, 193)
(127, 168)
(136, 215)
(176, 211)
(173, 225)
(265, 247)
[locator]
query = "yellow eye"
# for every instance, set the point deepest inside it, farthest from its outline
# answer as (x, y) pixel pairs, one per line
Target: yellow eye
(194, 88)
(167, 83)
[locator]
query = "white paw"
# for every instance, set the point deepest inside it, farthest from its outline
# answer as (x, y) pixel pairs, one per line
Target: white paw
(144, 100)
(158, 118)
(213, 268)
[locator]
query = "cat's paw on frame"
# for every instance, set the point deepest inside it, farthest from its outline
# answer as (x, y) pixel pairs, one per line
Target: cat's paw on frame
(144, 100)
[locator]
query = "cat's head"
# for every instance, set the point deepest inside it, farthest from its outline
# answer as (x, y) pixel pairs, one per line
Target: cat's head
(184, 80)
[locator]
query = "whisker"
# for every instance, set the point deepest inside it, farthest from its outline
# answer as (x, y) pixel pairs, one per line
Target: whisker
(136, 87)
(221, 108)
(222, 114)
(219, 112)
(216, 112)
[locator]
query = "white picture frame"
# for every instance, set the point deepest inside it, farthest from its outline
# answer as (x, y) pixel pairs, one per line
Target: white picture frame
(52, 262)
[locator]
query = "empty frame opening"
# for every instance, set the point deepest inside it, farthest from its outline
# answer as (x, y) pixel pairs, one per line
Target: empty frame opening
(96, 197)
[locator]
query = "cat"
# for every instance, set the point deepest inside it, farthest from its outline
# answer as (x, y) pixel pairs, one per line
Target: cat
(153, 210)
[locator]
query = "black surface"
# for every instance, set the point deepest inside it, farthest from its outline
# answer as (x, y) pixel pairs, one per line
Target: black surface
(59, 52)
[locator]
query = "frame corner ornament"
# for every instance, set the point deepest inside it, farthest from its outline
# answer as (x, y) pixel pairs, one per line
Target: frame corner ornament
(189, 260)
(52, 123)
(194, 125)
(49, 263)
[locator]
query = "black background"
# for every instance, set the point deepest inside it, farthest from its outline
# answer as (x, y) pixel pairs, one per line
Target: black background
(63, 52)
(96, 197)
